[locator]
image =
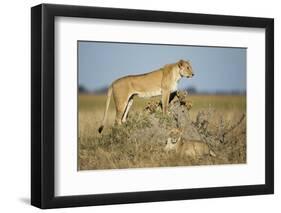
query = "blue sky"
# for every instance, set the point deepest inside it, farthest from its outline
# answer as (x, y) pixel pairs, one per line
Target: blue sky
(215, 68)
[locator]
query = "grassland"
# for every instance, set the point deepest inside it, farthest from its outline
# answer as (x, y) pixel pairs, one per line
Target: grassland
(140, 142)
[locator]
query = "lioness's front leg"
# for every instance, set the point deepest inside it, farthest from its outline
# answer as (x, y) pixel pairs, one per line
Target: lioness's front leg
(165, 100)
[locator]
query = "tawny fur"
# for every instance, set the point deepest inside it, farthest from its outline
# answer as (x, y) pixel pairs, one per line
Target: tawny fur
(159, 82)
(190, 148)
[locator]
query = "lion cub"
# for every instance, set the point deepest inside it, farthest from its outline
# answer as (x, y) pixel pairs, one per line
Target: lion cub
(190, 148)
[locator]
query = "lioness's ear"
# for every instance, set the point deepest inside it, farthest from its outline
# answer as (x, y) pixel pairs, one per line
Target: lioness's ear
(180, 63)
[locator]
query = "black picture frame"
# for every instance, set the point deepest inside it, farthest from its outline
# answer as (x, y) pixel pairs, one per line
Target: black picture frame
(43, 105)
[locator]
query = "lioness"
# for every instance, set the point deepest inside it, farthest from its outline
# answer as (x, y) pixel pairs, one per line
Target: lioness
(159, 82)
(190, 148)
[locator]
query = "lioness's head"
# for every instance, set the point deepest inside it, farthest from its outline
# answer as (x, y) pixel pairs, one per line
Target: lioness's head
(173, 139)
(185, 69)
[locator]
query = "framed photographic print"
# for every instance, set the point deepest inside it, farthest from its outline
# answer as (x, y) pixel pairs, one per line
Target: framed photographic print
(139, 106)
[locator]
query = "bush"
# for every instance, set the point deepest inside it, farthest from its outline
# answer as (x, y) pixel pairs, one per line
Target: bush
(140, 141)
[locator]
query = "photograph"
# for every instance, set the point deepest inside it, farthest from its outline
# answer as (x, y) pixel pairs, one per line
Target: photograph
(141, 105)
(147, 105)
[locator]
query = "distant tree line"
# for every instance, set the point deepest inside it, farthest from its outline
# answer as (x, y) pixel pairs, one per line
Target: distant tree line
(82, 89)
(193, 90)
(190, 90)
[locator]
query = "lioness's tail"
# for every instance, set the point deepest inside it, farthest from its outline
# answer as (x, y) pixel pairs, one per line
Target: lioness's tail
(109, 92)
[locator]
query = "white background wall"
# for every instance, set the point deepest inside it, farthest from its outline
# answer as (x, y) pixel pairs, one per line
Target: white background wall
(15, 105)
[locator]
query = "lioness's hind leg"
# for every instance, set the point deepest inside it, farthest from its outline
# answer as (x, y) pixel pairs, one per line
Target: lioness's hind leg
(119, 115)
(120, 110)
(127, 109)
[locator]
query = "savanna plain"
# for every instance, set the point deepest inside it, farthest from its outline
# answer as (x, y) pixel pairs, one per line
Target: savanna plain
(217, 120)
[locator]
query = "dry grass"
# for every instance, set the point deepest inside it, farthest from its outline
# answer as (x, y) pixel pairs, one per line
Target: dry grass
(140, 142)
